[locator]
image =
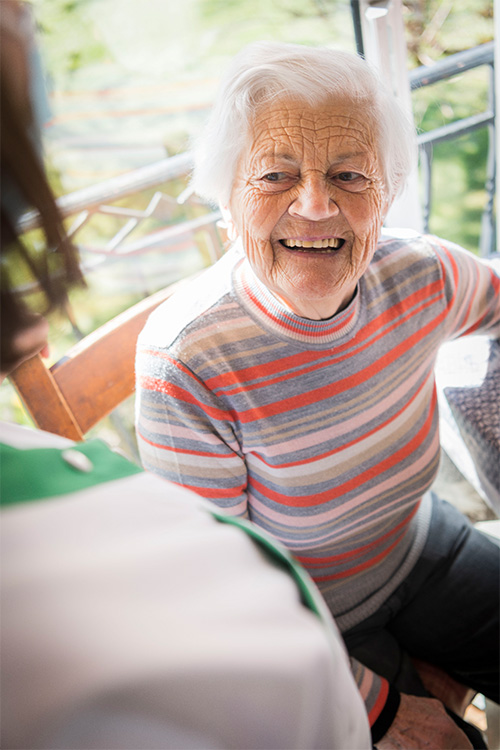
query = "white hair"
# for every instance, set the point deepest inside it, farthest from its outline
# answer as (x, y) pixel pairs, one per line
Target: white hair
(265, 72)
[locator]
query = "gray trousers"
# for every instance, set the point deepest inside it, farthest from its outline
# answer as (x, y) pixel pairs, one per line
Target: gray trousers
(446, 612)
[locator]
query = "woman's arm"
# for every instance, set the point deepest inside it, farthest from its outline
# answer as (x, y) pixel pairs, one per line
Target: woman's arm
(472, 289)
(185, 434)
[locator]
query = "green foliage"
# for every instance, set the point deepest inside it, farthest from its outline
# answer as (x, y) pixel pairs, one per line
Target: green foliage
(299, 21)
(436, 28)
(70, 39)
(459, 166)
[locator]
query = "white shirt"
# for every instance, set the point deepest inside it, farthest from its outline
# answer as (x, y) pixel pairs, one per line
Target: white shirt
(131, 618)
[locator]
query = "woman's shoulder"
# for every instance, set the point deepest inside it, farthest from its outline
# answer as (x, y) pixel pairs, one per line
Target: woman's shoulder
(402, 253)
(405, 249)
(203, 300)
(405, 245)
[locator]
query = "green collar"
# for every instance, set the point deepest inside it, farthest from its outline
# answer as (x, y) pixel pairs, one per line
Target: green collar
(38, 473)
(280, 555)
(34, 474)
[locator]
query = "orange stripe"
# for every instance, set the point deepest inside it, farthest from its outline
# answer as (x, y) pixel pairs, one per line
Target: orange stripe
(295, 328)
(168, 357)
(184, 452)
(363, 566)
(308, 501)
(379, 703)
(332, 389)
(495, 281)
(159, 385)
(236, 377)
(216, 493)
(344, 446)
(454, 269)
(312, 562)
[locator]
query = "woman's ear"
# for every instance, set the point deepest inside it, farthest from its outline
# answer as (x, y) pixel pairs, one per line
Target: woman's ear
(232, 232)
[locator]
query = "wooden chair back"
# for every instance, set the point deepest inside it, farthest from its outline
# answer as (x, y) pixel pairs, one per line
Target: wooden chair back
(92, 379)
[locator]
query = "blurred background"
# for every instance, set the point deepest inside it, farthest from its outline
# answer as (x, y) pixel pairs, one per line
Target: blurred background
(128, 84)
(130, 81)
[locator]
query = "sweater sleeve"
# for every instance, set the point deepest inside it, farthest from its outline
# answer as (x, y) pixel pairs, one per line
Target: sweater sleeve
(381, 699)
(472, 291)
(184, 433)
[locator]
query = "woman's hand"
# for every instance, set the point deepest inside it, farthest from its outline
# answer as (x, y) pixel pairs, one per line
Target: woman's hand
(423, 723)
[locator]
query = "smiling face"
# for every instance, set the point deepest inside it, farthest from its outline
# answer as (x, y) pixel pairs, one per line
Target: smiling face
(308, 201)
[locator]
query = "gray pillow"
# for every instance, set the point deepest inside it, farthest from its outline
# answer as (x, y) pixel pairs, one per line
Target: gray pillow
(476, 409)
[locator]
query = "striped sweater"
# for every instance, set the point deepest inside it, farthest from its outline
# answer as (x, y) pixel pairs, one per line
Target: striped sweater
(324, 432)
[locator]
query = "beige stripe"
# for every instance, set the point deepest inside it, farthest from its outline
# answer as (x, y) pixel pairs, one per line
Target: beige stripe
(249, 355)
(355, 405)
(236, 330)
(347, 458)
(356, 537)
(410, 282)
(207, 470)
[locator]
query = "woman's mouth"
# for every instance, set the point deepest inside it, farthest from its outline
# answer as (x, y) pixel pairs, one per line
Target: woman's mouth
(327, 245)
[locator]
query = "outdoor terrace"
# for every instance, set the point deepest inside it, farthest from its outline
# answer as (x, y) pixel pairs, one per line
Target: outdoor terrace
(152, 230)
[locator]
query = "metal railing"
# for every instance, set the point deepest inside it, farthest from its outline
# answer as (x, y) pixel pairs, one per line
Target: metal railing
(98, 200)
(440, 71)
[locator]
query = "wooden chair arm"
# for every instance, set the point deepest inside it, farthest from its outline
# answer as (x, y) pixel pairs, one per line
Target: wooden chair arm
(43, 400)
(92, 379)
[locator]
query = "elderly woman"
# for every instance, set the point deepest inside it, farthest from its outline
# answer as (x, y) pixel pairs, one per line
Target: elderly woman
(293, 381)
(99, 650)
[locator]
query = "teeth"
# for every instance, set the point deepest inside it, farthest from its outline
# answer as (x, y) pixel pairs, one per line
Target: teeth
(332, 242)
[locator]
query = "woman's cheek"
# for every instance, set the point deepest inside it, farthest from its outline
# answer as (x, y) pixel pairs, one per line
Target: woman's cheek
(379, 202)
(256, 217)
(258, 252)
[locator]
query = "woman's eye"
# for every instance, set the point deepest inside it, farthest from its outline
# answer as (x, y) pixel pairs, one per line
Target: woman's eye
(277, 182)
(274, 176)
(352, 181)
(348, 176)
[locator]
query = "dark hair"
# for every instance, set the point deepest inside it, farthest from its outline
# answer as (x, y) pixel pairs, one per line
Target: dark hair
(56, 268)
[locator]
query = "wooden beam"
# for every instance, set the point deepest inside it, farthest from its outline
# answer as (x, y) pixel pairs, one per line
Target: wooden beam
(43, 399)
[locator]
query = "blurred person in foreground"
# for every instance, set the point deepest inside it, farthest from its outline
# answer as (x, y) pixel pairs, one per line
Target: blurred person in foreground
(293, 382)
(125, 599)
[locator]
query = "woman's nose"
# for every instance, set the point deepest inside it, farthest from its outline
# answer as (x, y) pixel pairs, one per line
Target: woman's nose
(314, 201)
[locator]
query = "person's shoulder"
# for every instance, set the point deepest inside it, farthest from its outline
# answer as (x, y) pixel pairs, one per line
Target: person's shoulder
(402, 253)
(127, 490)
(405, 245)
(198, 302)
(408, 244)
(24, 438)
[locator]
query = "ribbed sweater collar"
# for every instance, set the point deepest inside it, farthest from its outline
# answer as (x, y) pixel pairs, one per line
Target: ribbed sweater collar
(273, 315)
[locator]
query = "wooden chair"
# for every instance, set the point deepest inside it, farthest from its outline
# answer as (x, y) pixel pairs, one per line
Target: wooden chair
(93, 378)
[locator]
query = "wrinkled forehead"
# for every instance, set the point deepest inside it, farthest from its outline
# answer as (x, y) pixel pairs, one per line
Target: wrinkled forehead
(294, 127)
